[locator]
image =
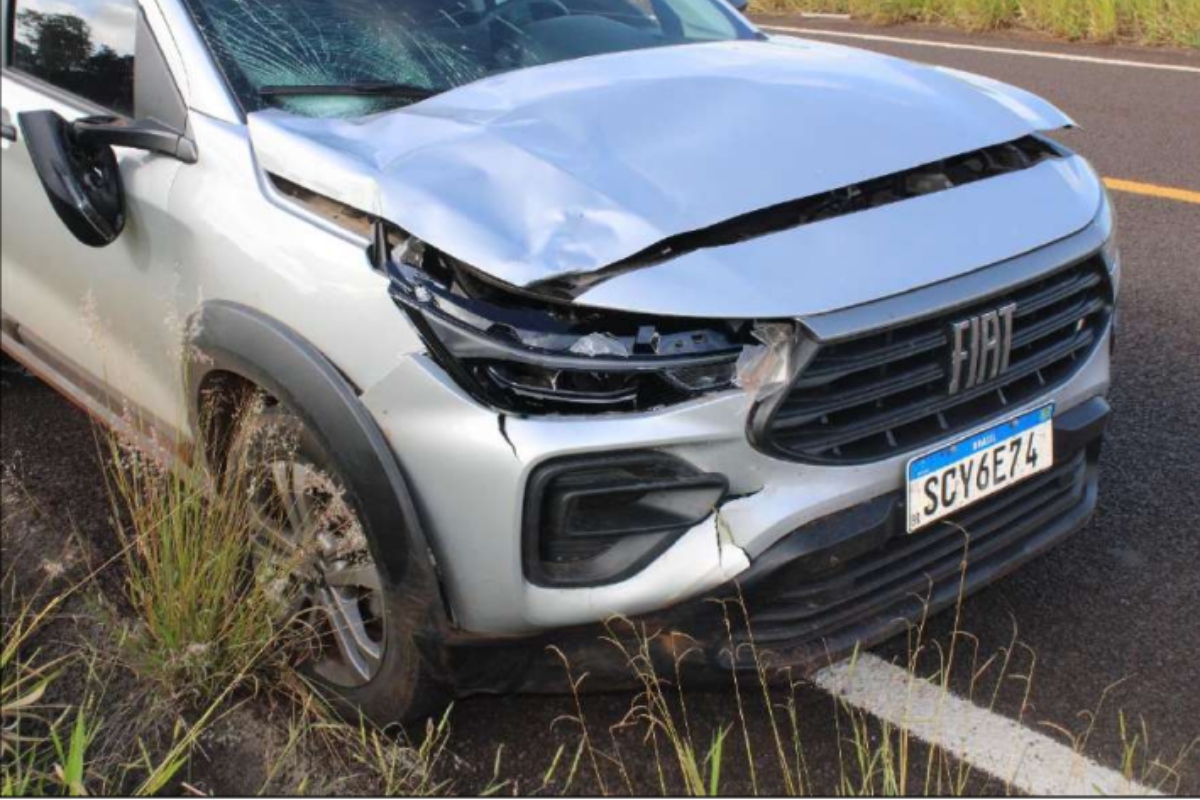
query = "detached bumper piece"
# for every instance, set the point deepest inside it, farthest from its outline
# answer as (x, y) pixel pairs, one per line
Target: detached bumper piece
(857, 578)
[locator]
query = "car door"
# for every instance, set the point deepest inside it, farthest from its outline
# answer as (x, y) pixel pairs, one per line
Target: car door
(97, 317)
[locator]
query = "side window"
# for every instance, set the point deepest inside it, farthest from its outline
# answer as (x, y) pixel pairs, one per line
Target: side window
(702, 21)
(84, 47)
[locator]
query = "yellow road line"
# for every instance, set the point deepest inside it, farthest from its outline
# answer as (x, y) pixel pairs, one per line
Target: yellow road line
(1152, 190)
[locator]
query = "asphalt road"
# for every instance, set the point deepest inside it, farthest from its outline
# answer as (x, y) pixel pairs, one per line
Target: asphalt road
(1119, 602)
(1112, 614)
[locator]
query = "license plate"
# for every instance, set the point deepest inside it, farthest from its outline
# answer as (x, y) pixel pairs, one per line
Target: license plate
(967, 471)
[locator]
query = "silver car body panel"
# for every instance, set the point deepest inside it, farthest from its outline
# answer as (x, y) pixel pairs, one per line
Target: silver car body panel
(941, 297)
(468, 472)
(629, 149)
(862, 257)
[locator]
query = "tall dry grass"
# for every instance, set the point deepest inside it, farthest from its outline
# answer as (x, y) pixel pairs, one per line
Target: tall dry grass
(48, 742)
(203, 638)
(765, 738)
(1151, 22)
(201, 618)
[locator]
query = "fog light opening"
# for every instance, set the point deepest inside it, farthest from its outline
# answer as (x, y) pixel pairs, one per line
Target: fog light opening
(601, 519)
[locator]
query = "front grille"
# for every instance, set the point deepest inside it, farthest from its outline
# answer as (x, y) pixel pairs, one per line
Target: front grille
(885, 392)
(817, 601)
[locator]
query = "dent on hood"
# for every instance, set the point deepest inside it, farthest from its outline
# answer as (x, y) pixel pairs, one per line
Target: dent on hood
(571, 167)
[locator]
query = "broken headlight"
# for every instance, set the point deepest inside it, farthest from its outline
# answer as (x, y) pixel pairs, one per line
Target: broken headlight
(527, 354)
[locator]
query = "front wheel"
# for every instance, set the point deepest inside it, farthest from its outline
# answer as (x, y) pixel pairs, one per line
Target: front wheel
(313, 554)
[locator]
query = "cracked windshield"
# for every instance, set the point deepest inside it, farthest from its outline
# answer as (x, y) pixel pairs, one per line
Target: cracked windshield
(353, 57)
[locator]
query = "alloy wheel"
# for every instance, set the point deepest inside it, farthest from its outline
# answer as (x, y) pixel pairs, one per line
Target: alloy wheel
(312, 556)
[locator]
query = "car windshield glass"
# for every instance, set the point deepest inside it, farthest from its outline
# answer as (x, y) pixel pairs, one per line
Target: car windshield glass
(352, 57)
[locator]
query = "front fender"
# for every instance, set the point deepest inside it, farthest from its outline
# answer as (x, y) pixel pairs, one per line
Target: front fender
(1039, 112)
(232, 338)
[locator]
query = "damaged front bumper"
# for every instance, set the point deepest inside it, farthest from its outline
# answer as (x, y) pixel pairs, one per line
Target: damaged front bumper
(470, 467)
(844, 581)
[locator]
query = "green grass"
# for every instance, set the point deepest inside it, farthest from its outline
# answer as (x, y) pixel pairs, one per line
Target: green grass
(26, 720)
(202, 620)
(201, 632)
(1152, 22)
(47, 746)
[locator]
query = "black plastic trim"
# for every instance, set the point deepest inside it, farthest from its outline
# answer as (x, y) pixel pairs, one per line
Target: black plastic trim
(701, 481)
(237, 339)
(450, 330)
(548, 472)
(141, 134)
(928, 596)
(762, 417)
(95, 215)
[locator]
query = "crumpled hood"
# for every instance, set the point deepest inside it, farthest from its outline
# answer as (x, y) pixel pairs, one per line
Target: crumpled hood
(569, 167)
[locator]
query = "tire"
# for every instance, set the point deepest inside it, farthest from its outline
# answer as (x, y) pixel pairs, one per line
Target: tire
(273, 454)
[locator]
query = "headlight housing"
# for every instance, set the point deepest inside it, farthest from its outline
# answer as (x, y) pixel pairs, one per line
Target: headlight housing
(526, 354)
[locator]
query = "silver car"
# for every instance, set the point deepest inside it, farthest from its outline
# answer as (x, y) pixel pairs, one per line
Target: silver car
(569, 310)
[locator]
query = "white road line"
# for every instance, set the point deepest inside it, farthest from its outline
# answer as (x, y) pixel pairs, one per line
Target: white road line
(979, 48)
(1024, 759)
(823, 15)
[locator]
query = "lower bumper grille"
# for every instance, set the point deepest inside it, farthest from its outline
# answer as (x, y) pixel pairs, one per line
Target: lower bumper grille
(828, 599)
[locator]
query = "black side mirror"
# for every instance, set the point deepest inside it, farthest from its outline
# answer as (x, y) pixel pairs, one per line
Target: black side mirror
(740, 5)
(78, 169)
(140, 134)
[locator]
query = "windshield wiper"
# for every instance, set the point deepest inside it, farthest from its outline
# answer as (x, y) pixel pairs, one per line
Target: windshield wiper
(404, 90)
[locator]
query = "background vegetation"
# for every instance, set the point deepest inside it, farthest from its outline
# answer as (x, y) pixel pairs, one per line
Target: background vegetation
(1155, 22)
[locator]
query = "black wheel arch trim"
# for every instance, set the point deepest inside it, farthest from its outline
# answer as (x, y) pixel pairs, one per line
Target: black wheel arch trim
(237, 339)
